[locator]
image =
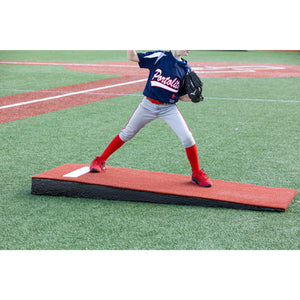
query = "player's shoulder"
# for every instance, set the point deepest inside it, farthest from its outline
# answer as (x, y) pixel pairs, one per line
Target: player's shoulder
(154, 54)
(150, 59)
(150, 52)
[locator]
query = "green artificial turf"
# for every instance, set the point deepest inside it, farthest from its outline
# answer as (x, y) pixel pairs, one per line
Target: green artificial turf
(17, 79)
(254, 142)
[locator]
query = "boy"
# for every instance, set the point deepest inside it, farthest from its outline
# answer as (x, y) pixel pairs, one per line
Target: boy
(163, 89)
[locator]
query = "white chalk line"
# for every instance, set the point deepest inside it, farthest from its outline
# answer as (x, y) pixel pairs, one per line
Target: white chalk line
(57, 91)
(259, 100)
(72, 94)
(140, 95)
(78, 172)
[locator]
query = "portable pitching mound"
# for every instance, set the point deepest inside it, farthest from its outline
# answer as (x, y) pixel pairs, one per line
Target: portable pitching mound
(73, 180)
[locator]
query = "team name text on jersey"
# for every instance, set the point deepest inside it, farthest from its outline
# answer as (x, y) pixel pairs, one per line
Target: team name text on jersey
(166, 83)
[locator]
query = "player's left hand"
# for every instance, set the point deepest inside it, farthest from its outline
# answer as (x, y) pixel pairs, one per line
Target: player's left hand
(193, 87)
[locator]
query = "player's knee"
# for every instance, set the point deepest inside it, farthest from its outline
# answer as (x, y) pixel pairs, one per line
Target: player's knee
(127, 134)
(188, 141)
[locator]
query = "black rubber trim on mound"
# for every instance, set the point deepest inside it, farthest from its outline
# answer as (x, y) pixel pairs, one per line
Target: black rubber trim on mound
(81, 190)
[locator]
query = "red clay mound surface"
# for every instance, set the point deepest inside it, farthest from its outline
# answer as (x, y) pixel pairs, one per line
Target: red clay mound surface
(116, 184)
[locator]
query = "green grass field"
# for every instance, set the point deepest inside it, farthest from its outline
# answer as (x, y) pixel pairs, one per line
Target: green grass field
(239, 140)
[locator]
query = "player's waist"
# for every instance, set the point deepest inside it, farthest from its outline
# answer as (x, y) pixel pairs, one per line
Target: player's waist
(155, 101)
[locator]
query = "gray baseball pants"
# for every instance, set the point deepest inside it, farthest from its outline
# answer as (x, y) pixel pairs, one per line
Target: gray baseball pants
(148, 111)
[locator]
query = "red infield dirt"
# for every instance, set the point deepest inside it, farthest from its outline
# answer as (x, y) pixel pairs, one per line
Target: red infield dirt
(204, 69)
(30, 104)
(227, 194)
(25, 108)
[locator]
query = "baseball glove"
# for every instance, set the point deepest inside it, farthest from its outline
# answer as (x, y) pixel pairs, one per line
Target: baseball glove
(193, 87)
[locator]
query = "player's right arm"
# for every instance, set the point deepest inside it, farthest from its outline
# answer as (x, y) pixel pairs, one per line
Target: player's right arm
(131, 55)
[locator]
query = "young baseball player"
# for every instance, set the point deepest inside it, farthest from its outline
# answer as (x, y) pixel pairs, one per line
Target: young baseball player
(163, 89)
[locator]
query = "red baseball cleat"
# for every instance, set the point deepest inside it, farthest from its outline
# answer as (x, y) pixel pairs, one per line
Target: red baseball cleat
(97, 165)
(201, 178)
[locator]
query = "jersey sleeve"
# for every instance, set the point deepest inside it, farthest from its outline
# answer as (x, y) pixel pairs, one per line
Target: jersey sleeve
(149, 59)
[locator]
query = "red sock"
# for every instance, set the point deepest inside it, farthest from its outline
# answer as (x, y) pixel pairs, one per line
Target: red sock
(115, 144)
(192, 154)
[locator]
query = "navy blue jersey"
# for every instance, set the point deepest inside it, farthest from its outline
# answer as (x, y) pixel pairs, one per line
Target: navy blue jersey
(165, 81)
